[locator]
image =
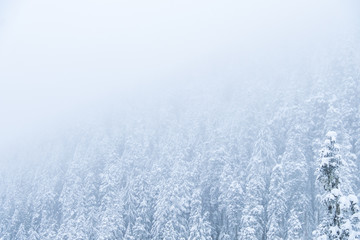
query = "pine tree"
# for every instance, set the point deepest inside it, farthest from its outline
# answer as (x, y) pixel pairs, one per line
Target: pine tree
(328, 177)
(142, 223)
(297, 189)
(342, 211)
(172, 207)
(276, 205)
(254, 215)
(33, 235)
(336, 121)
(140, 229)
(21, 233)
(199, 226)
(169, 232)
(112, 224)
(231, 203)
(294, 232)
(354, 211)
(131, 202)
(129, 233)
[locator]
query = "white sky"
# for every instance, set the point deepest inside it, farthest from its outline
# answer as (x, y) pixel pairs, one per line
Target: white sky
(57, 57)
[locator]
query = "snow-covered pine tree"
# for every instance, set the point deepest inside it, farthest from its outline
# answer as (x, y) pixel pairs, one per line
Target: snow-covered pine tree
(350, 212)
(21, 233)
(33, 235)
(341, 220)
(131, 202)
(328, 177)
(172, 208)
(214, 163)
(231, 203)
(297, 190)
(276, 206)
(169, 231)
(295, 232)
(142, 225)
(111, 210)
(199, 226)
(254, 216)
(335, 121)
(129, 233)
(355, 217)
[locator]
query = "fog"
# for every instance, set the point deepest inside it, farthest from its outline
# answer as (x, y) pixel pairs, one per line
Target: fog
(62, 60)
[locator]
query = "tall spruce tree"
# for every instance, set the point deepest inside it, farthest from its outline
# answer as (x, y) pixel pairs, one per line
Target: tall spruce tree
(341, 220)
(199, 226)
(254, 216)
(276, 205)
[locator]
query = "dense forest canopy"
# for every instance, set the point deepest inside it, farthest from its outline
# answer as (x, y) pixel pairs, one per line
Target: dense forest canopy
(230, 144)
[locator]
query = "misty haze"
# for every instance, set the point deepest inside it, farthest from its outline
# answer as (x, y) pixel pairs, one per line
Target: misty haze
(179, 120)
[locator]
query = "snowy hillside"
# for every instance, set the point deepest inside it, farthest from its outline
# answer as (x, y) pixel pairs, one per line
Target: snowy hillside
(240, 143)
(218, 166)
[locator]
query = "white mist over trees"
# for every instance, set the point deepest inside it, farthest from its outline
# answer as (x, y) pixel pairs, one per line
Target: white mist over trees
(180, 120)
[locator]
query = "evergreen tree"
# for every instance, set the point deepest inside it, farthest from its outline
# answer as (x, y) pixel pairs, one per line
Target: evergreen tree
(297, 185)
(341, 210)
(169, 232)
(294, 232)
(231, 203)
(112, 225)
(129, 233)
(142, 223)
(254, 217)
(21, 233)
(172, 208)
(199, 226)
(276, 205)
(328, 177)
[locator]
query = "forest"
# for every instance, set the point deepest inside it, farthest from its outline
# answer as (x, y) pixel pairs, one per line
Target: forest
(217, 164)
(179, 120)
